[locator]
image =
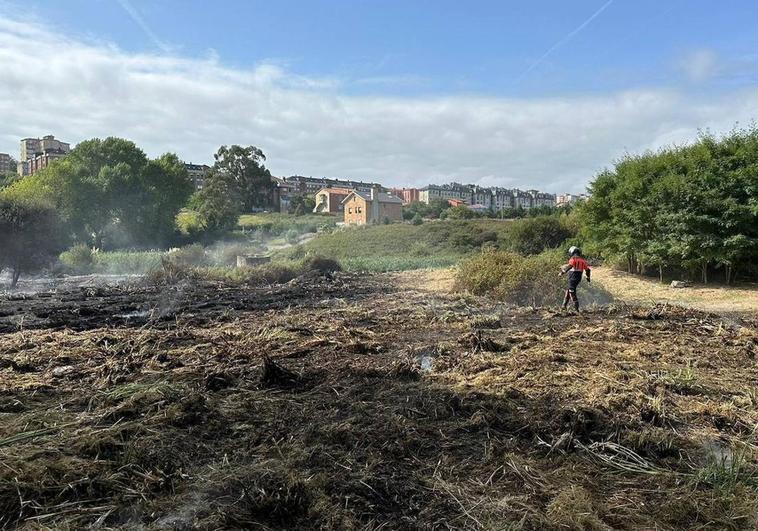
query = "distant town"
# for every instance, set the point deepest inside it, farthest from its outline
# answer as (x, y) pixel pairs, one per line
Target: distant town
(360, 202)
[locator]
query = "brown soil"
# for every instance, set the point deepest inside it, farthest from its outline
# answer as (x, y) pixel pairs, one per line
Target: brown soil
(358, 403)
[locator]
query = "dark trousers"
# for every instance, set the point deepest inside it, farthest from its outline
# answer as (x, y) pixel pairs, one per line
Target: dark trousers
(574, 278)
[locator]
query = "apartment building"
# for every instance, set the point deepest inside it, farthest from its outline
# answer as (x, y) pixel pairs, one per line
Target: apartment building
(38, 153)
(197, 174)
(299, 185)
(570, 199)
(6, 164)
(490, 198)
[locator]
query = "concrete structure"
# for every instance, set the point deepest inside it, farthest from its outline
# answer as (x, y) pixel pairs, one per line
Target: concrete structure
(197, 174)
(329, 200)
(362, 208)
(6, 164)
(38, 153)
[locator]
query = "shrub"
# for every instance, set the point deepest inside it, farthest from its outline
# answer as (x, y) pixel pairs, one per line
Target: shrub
(189, 223)
(292, 236)
(534, 235)
(189, 255)
(126, 262)
(524, 281)
(417, 219)
(321, 264)
(78, 259)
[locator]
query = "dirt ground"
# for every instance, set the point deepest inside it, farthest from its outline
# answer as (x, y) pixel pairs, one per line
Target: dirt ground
(712, 298)
(370, 402)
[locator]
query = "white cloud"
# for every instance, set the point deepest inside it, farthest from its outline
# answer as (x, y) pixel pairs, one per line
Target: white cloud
(701, 65)
(50, 83)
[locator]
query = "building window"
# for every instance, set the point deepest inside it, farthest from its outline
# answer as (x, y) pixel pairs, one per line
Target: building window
(350, 210)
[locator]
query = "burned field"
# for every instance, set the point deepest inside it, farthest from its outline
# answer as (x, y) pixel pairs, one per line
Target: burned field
(353, 403)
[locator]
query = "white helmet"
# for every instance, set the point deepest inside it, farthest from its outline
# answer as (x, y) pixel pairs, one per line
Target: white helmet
(574, 250)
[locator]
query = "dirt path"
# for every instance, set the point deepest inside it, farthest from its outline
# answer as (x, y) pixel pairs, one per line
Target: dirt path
(719, 299)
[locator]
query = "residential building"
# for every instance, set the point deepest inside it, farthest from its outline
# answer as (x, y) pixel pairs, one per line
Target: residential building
(540, 199)
(502, 198)
(329, 200)
(282, 194)
(197, 174)
(522, 200)
(408, 195)
(363, 208)
(300, 185)
(38, 153)
(6, 164)
(490, 198)
(445, 191)
(570, 199)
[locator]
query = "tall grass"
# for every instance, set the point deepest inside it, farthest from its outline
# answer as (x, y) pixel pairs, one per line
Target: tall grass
(405, 246)
(277, 224)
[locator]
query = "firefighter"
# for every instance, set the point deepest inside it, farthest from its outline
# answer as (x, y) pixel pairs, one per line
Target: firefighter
(575, 267)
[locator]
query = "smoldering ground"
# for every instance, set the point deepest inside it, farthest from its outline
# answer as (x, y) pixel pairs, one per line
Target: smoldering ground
(346, 402)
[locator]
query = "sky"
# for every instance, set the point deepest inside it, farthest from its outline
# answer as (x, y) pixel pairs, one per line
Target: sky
(529, 94)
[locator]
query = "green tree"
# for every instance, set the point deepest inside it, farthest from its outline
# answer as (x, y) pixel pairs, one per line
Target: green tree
(110, 184)
(689, 210)
(217, 206)
(302, 204)
(29, 236)
(243, 170)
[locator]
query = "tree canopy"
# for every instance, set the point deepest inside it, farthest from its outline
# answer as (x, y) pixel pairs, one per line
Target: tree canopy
(109, 187)
(29, 236)
(242, 170)
(682, 209)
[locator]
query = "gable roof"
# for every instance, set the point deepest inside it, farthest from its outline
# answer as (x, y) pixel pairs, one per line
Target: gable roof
(335, 190)
(382, 196)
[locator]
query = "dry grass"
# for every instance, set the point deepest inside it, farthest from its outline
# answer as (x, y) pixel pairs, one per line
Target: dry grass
(360, 403)
(641, 290)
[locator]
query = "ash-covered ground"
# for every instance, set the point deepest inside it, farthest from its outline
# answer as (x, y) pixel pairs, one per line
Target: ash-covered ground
(359, 402)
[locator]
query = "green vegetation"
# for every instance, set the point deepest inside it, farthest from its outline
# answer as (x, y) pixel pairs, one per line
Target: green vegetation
(689, 210)
(435, 244)
(276, 224)
(238, 182)
(110, 195)
(301, 205)
(271, 273)
(521, 280)
(29, 235)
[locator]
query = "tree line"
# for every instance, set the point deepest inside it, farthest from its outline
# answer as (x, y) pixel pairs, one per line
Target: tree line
(109, 194)
(685, 210)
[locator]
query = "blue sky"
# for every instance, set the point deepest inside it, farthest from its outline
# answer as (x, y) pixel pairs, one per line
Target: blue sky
(437, 63)
(433, 47)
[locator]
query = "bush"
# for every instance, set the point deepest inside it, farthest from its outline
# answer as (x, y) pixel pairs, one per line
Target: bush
(534, 235)
(524, 281)
(126, 262)
(510, 277)
(417, 219)
(189, 255)
(321, 264)
(78, 259)
(292, 236)
(189, 223)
